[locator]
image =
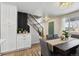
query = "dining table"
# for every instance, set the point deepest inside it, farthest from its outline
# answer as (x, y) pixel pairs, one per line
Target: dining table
(64, 45)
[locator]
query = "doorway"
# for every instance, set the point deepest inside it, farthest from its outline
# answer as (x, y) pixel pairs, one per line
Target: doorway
(51, 28)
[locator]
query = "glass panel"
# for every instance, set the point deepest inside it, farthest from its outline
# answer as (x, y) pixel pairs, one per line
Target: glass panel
(72, 25)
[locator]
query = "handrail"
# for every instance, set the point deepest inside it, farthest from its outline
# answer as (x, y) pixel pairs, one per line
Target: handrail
(35, 20)
(33, 24)
(34, 27)
(37, 23)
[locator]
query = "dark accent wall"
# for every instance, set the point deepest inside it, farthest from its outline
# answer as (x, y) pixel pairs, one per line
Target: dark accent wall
(22, 21)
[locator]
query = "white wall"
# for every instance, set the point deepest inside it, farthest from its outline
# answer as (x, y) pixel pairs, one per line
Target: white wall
(57, 25)
(34, 35)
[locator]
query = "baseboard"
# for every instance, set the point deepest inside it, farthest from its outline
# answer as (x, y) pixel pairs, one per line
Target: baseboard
(7, 52)
(35, 43)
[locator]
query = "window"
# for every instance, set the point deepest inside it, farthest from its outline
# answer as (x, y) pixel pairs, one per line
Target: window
(72, 24)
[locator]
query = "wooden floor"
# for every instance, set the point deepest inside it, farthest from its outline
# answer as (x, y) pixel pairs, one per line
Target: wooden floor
(34, 51)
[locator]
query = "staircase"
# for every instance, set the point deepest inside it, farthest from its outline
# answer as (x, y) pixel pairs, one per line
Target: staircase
(35, 24)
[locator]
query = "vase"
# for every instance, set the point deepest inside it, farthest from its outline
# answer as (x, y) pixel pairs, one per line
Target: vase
(19, 32)
(66, 38)
(62, 37)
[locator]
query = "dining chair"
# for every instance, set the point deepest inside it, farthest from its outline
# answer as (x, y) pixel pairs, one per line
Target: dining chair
(49, 37)
(74, 36)
(52, 36)
(44, 48)
(55, 36)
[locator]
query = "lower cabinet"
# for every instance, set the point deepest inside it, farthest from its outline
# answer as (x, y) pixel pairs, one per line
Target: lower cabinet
(23, 41)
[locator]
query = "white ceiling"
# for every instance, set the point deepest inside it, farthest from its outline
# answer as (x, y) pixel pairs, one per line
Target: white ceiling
(47, 8)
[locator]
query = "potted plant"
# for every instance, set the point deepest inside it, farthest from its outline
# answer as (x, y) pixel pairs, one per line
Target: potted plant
(19, 30)
(66, 34)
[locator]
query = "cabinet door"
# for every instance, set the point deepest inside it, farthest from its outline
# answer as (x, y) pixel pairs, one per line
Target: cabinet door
(20, 42)
(8, 27)
(4, 30)
(23, 41)
(27, 41)
(8, 33)
(11, 44)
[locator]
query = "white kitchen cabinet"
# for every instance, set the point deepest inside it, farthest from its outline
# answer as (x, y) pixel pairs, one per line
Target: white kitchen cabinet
(23, 41)
(8, 27)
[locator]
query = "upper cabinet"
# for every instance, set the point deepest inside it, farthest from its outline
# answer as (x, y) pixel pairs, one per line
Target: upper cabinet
(22, 22)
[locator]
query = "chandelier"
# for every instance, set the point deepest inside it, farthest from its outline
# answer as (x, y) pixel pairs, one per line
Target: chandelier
(64, 4)
(46, 18)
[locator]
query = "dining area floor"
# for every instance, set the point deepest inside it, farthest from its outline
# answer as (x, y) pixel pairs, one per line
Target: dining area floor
(35, 50)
